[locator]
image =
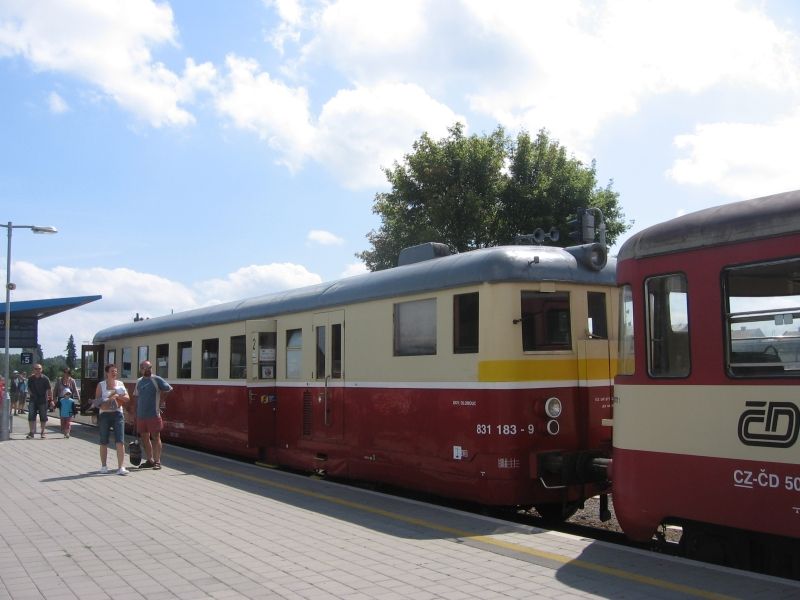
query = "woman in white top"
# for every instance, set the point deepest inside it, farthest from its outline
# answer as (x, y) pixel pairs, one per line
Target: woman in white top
(110, 396)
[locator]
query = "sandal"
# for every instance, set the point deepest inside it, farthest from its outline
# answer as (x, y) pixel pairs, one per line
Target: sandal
(157, 465)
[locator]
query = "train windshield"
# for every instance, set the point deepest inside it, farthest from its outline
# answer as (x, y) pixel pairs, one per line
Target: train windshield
(763, 319)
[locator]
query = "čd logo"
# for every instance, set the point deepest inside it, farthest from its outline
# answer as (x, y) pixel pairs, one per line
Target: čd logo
(770, 424)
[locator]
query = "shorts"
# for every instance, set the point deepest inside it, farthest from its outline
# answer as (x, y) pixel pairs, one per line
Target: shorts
(108, 420)
(152, 425)
(37, 408)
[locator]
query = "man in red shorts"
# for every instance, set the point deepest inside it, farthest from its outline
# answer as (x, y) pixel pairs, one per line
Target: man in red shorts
(149, 393)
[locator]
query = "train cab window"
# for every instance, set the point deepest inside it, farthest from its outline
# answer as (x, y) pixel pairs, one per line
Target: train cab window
(162, 360)
(238, 357)
(465, 323)
(597, 323)
(415, 328)
(210, 359)
(184, 360)
(127, 363)
(294, 353)
(627, 362)
(763, 319)
(668, 326)
(545, 318)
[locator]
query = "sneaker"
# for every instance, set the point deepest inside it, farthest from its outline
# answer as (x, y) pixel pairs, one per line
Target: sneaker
(156, 465)
(66, 436)
(104, 469)
(148, 464)
(123, 471)
(29, 436)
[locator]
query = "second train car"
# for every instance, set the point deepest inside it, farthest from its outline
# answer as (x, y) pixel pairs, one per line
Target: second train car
(484, 376)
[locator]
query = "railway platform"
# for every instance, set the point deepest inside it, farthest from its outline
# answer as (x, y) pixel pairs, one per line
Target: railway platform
(207, 527)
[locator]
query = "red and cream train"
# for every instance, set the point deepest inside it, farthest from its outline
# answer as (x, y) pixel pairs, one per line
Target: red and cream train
(487, 376)
(484, 376)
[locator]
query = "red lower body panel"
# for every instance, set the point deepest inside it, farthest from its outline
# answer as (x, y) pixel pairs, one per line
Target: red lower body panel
(652, 487)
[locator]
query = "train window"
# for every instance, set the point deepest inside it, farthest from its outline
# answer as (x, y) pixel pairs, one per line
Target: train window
(627, 363)
(111, 357)
(545, 318)
(266, 354)
(668, 326)
(763, 319)
(465, 323)
(336, 350)
(321, 351)
(127, 363)
(184, 360)
(598, 324)
(209, 366)
(238, 357)
(144, 354)
(415, 328)
(294, 353)
(162, 360)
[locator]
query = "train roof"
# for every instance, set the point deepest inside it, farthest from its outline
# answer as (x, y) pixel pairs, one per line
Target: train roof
(763, 217)
(487, 265)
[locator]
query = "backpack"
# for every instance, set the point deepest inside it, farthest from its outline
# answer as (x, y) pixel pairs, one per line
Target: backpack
(135, 452)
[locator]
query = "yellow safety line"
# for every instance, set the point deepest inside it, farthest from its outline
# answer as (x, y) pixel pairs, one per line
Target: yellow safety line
(558, 558)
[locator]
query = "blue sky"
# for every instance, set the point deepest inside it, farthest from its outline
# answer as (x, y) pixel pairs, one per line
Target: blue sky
(197, 152)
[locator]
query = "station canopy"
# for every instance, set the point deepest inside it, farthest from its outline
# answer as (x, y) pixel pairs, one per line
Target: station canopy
(25, 316)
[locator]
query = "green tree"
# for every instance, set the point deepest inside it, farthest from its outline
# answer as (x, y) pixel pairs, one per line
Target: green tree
(72, 355)
(475, 191)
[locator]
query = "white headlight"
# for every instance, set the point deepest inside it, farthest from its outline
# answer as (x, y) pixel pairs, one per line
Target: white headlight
(552, 407)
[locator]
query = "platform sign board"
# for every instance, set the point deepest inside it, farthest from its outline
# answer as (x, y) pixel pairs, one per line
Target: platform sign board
(26, 358)
(23, 332)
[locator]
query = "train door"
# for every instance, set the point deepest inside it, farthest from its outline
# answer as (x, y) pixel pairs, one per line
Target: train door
(595, 371)
(92, 365)
(328, 332)
(262, 404)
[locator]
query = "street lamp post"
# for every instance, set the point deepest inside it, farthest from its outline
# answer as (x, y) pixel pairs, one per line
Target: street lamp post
(5, 417)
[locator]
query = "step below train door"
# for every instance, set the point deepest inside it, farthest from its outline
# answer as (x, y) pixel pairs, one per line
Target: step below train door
(92, 373)
(262, 401)
(328, 390)
(595, 369)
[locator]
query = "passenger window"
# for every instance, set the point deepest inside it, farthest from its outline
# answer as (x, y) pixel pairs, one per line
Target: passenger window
(144, 354)
(127, 361)
(184, 360)
(465, 323)
(598, 324)
(238, 357)
(763, 319)
(210, 359)
(668, 326)
(415, 328)
(294, 353)
(627, 358)
(336, 350)
(111, 357)
(545, 318)
(162, 360)
(267, 354)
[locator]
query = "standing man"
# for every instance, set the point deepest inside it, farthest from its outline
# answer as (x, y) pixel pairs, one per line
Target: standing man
(41, 397)
(149, 393)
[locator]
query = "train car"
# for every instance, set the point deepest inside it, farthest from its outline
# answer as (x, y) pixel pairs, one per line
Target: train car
(707, 401)
(484, 376)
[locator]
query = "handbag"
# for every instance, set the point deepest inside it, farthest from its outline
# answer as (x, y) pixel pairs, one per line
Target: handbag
(135, 452)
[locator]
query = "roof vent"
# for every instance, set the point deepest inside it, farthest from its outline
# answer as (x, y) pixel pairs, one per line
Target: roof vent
(421, 252)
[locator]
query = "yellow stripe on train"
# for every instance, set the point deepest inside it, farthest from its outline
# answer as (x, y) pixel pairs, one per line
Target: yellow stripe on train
(553, 370)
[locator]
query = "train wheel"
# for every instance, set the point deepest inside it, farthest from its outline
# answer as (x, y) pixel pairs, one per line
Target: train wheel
(556, 512)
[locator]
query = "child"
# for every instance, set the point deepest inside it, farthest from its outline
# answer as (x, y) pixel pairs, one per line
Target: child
(67, 409)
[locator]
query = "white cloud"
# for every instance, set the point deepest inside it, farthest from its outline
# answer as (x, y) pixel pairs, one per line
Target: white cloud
(364, 129)
(126, 292)
(57, 104)
(355, 269)
(278, 113)
(324, 238)
(107, 44)
(743, 160)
